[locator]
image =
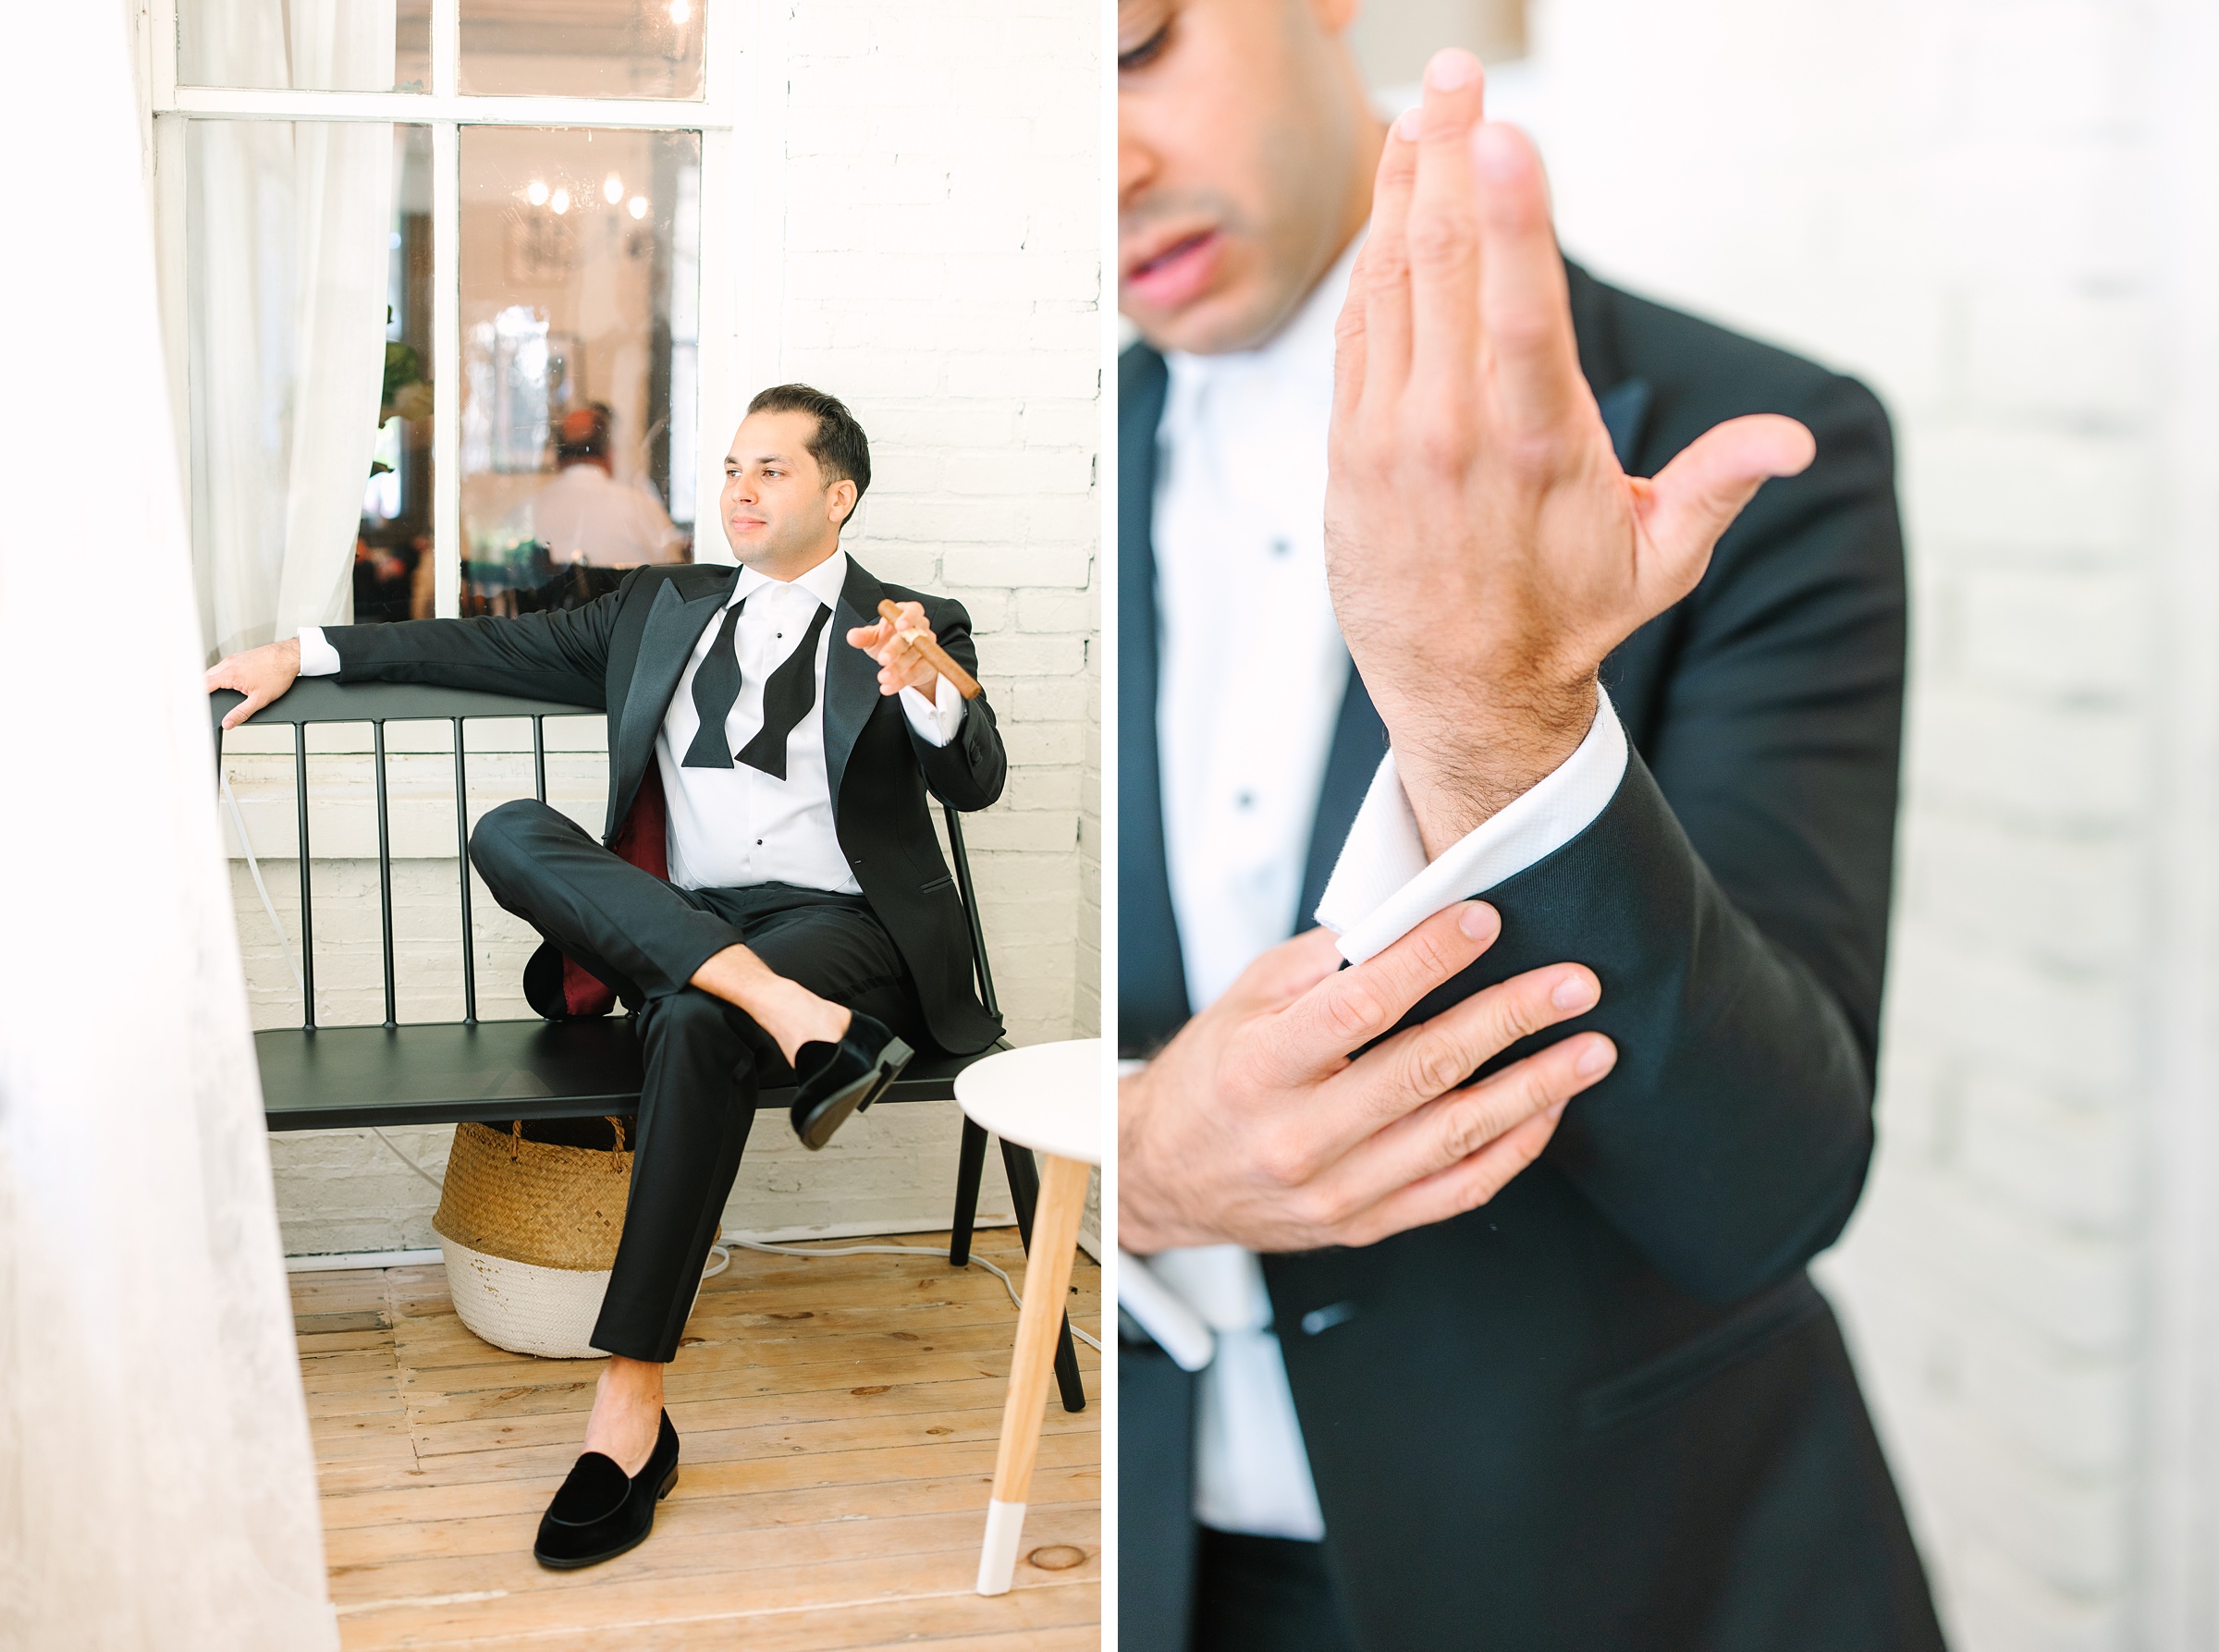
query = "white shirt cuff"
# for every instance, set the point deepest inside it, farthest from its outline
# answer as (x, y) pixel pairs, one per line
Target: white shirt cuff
(318, 658)
(936, 719)
(1164, 1314)
(1382, 888)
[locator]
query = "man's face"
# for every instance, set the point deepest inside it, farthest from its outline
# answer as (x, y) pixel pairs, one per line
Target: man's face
(1245, 151)
(778, 512)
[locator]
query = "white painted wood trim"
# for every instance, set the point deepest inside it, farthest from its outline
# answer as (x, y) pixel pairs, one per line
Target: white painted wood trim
(2178, 1592)
(446, 47)
(235, 103)
(446, 370)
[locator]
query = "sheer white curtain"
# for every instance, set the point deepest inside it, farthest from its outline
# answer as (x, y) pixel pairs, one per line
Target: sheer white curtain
(157, 1491)
(287, 284)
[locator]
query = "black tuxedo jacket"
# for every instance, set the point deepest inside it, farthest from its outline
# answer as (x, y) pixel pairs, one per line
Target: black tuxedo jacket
(1607, 1409)
(624, 654)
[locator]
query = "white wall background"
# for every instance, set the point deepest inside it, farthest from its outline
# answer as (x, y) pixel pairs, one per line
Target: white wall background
(918, 206)
(2001, 216)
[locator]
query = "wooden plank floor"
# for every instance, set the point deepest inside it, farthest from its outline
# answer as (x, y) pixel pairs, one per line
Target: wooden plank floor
(838, 1419)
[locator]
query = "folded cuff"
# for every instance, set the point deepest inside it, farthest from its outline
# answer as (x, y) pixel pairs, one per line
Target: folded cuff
(1382, 888)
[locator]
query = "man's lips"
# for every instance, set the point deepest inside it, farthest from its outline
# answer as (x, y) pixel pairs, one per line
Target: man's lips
(1176, 273)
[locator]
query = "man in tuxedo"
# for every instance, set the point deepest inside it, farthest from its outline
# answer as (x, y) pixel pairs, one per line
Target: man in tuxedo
(1528, 1360)
(772, 741)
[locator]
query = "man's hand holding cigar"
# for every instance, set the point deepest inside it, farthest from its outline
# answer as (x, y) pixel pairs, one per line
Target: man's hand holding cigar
(909, 656)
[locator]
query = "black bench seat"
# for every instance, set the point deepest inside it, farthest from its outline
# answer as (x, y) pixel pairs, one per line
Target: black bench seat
(492, 1071)
(445, 1072)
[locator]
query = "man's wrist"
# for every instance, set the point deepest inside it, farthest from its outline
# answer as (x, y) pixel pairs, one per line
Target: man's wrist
(1140, 1225)
(1133, 1229)
(1465, 757)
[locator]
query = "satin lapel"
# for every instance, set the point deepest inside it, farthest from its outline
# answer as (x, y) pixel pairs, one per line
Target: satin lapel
(851, 675)
(1152, 1000)
(1359, 741)
(674, 625)
(1624, 409)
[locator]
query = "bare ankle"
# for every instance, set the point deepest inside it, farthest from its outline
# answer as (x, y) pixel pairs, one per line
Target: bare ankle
(627, 1408)
(811, 1021)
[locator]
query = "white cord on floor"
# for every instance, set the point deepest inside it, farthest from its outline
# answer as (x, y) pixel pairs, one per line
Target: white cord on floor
(721, 1256)
(885, 1250)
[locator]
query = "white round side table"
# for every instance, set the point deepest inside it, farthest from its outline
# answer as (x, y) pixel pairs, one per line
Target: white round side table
(1049, 1098)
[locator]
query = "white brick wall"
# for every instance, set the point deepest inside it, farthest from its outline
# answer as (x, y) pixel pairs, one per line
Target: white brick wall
(935, 264)
(1999, 215)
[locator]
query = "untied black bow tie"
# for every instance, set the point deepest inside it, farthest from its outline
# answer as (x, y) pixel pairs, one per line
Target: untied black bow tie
(788, 696)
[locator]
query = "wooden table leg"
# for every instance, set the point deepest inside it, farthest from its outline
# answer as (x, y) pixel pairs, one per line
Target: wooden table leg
(1046, 1283)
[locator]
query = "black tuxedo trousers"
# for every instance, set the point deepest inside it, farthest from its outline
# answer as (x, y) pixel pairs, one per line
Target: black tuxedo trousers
(706, 1059)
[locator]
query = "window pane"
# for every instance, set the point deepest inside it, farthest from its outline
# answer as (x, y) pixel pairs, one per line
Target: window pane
(580, 293)
(308, 264)
(306, 45)
(393, 560)
(583, 48)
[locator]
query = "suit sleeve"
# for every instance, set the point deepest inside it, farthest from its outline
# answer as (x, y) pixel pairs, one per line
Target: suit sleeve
(558, 655)
(968, 772)
(1733, 897)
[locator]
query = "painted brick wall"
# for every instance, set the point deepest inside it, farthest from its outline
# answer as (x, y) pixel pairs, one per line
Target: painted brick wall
(1965, 202)
(937, 216)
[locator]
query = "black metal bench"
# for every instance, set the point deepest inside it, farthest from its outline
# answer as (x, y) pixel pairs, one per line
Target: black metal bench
(445, 1072)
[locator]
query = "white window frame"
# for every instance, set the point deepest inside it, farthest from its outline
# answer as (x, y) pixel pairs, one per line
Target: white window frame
(742, 111)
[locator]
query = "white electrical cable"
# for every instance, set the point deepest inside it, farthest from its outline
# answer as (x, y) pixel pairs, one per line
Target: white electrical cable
(899, 1250)
(723, 1258)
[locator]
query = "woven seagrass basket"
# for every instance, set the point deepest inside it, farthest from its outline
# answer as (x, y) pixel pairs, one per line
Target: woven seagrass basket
(530, 1232)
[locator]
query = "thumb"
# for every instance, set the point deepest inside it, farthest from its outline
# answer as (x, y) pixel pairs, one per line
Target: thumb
(1694, 499)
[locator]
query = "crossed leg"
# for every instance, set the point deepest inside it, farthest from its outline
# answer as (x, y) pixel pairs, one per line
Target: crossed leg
(645, 937)
(726, 986)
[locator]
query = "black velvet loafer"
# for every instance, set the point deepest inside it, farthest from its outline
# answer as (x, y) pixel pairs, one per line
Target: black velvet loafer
(601, 1512)
(843, 1078)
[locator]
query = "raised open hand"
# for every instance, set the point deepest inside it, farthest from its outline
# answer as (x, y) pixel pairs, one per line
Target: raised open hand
(1484, 547)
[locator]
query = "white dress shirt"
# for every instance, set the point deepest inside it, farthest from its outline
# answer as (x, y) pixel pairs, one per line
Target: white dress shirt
(1252, 666)
(736, 827)
(1253, 675)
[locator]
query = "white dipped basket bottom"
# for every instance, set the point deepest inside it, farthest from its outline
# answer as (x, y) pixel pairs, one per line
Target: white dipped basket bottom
(530, 1231)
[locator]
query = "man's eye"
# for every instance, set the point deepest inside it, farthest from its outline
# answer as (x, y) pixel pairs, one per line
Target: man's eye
(1145, 53)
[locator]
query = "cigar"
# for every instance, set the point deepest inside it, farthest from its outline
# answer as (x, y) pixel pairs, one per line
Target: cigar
(935, 655)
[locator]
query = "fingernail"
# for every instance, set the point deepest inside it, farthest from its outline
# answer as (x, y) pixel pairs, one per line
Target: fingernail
(1479, 921)
(1598, 1057)
(1575, 991)
(1451, 69)
(1407, 123)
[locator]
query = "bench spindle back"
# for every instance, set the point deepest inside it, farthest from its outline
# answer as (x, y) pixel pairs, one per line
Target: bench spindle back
(320, 700)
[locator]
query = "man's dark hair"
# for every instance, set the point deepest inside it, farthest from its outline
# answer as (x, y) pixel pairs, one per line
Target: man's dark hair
(583, 433)
(840, 447)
